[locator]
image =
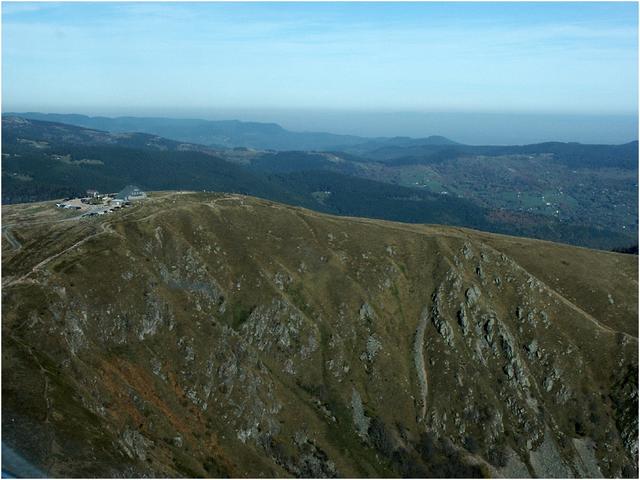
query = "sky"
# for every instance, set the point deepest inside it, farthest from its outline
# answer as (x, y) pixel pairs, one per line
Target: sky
(362, 68)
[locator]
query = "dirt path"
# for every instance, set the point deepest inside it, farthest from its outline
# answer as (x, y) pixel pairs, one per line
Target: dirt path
(105, 228)
(564, 300)
(41, 222)
(588, 316)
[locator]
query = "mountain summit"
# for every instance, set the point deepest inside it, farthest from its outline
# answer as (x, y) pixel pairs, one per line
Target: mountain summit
(214, 335)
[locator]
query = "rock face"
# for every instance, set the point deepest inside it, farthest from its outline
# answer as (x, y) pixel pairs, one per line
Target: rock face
(472, 294)
(220, 335)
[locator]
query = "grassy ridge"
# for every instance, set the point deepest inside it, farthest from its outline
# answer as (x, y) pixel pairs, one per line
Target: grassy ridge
(216, 334)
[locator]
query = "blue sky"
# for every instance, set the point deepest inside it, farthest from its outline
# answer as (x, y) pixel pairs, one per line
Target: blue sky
(207, 60)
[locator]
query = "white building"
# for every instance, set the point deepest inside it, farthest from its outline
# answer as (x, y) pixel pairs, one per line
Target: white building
(130, 193)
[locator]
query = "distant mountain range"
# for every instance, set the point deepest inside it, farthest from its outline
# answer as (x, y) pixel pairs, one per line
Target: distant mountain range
(232, 133)
(46, 160)
(573, 193)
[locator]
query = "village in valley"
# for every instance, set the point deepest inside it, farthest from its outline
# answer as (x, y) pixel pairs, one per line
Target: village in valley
(96, 203)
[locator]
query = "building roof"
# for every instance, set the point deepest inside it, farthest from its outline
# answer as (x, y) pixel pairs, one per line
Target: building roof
(129, 190)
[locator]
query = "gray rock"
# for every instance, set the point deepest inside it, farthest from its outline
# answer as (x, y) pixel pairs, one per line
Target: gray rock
(488, 328)
(515, 467)
(367, 313)
(546, 460)
(545, 319)
(508, 370)
(373, 347)
(462, 320)
(360, 420)
(135, 444)
(441, 324)
(507, 345)
(472, 294)
(282, 280)
(588, 465)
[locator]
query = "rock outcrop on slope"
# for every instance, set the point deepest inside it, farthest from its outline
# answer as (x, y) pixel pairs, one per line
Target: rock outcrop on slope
(222, 335)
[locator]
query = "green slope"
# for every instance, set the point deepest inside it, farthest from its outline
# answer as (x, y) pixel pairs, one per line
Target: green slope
(222, 335)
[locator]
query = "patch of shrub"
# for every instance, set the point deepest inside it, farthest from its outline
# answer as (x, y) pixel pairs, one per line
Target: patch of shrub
(471, 444)
(497, 455)
(380, 437)
(443, 460)
(407, 465)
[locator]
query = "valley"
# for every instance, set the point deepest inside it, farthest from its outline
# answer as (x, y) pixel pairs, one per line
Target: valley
(578, 194)
(530, 186)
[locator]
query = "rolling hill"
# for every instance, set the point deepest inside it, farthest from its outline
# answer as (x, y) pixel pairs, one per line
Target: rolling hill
(47, 160)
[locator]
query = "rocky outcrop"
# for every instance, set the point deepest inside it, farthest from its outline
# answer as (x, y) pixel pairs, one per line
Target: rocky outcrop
(195, 339)
(472, 294)
(360, 419)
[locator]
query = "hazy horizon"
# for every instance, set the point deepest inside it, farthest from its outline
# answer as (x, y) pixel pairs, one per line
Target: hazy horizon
(479, 128)
(474, 72)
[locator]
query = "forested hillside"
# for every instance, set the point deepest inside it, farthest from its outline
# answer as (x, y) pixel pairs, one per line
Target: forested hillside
(44, 160)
